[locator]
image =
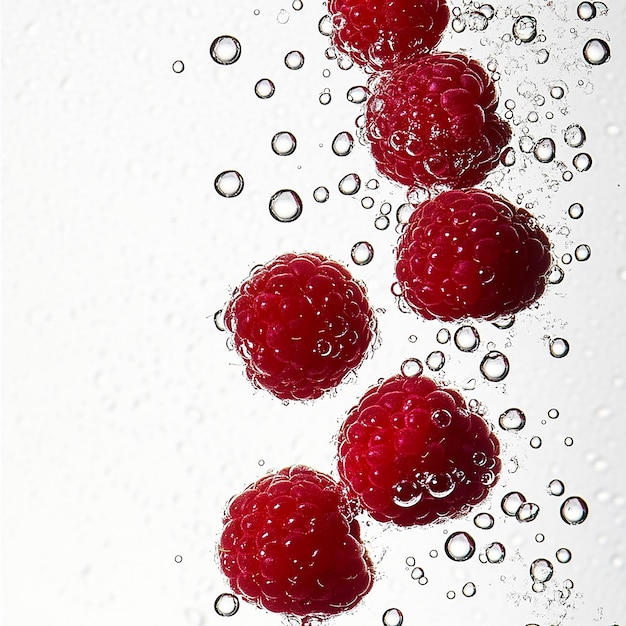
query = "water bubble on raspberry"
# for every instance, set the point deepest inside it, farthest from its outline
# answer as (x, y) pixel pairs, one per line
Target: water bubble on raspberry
(556, 487)
(460, 546)
(582, 252)
(511, 503)
(527, 512)
(411, 367)
(582, 161)
(264, 88)
(225, 50)
(574, 510)
(226, 604)
(495, 552)
(417, 573)
(443, 336)
(218, 320)
(350, 184)
(512, 419)
(507, 157)
(559, 347)
(435, 360)
(563, 555)
(541, 570)
(381, 222)
(357, 94)
(343, 143)
(575, 210)
(494, 366)
(596, 52)
(393, 617)
(406, 494)
(542, 56)
(504, 322)
(229, 184)
(294, 60)
(440, 485)
(441, 418)
(325, 26)
(284, 143)
(362, 253)
(469, 590)
(586, 11)
(484, 521)
(178, 66)
(545, 150)
(525, 28)
(535, 442)
(178, 558)
(556, 275)
(321, 194)
(467, 339)
(285, 205)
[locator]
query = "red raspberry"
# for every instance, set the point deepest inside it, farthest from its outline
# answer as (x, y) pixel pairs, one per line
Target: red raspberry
(290, 544)
(433, 123)
(300, 323)
(412, 453)
(382, 34)
(471, 254)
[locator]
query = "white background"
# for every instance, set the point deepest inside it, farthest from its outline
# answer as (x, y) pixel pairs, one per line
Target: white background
(128, 424)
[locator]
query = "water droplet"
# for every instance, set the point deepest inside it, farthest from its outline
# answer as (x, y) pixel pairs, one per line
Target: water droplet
(494, 366)
(435, 360)
(226, 604)
(559, 347)
(575, 210)
(556, 487)
(541, 570)
(343, 143)
(362, 253)
(357, 94)
(582, 252)
(297, 5)
(443, 336)
(325, 97)
(450, 595)
(567, 176)
(321, 194)
(467, 339)
(410, 561)
(507, 158)
(284, 143)
(411, 367)
(264, 88)
(381, 222)
(350, 184)
(433, 554)
(527, 512)
(469, 590)
(568, 441)
(325, 26)
(294, 60)
(406, 494)
(545, 150)
(596, 52)
(484, 521)
(535, 442)
(556, 275)
(417, 573)
(225, 50)
(512, 419)
(574, 510)
(178, 66)
(525, 28)
(557, 92)
(586, 11)
(563, 555)
(178, 559)
(229, 183)
(582, 161)
(511, 503)
(458, 24)
(566, 259)
(285, 205)
(460, 546)
(495, 552)
(539, 538)
(393, 617)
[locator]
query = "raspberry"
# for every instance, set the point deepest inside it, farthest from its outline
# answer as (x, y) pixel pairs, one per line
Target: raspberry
(471, 254)
(382, 34)
(290, 544)
(300, 323)
(412, 453)
(433, 123)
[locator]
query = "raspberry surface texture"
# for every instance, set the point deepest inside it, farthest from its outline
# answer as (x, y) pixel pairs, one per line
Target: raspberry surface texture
(471, 254)
(412, 453)
(381, 34)
(433, 123)
(301, 323)
(290, 544)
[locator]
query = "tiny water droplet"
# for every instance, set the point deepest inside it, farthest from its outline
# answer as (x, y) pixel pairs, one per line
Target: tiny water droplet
(557, 92)
(178, 558)
(512, 419)
(553, 414)
(285, 205)
(568, 441)
(225, 50)
(226, 604)
(294, 60)
(539, 537)
(264, 88)
(325, 97)
(229, 184)
(451, 595)
(556, 275)
(381, 222)
(460, 546)
(596, 52)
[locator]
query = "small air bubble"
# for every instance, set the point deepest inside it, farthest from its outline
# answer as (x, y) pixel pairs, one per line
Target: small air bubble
(458, 24)
(525, 28)
(504, 322)
(512, 420)
(574, 510)
(563, 555)
(264, 88)
(586, 11)
(575, 210)
(178, 67)
(284, 143)
(343, 143)
(495, 552)
(433, 554)
(556, 487)
(229, 184)
(541, 570)
(540, 538)
(511, 503)
(357, 94)
(226, 604)
(596, 52)
(417, 573)
(393, 617)
(542, 56)
(566, 259)
(535, 442)
(321, 194)
(285, 206)
(559, 347)
(225, 50)
(381, 222)
(325, 97)
(297, 5)
(367, 202)
(582, 252)
(218, 320)
(460, 546)
(325, 26)
(494, 366)
(282, 17)
(350, 184)
(435, 360)
(469, 590)
(484, 521)
(582, 161)
(362, 253)
(450, 595)
(411, 367)
(507, 158)
(294, 60)
(568, 441)
(557, 92)
(410, 561)
(545, 150)
(467, 339)
(527, 512)
(575, 136)
(443, 336)
(178, 559)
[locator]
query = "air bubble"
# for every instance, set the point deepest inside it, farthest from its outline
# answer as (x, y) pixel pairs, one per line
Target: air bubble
(367, 202)
(525, 28)
(362, 253)
(441, 418)
(294, 60)
(343, 143)
(417, 573)
(574, 510)
(297, 5)
(460, 546)
(393, 617)
(526, 144)
(527, 512)
(559, 347)
(532, 117)
(458, 24)
(410, 561)
(285, 206)
(575, 210)
(411, 367)
(321, 194)
(357, 94)
(582, 161)
(433, 554)
(556, 275)
(225, 50)
(443, 336)
(325, 97)
(178, 558)
(484, 521)
(566, 259)
(511, 503)
(178, 67)
(504, 322)
(596, 52)
(541, 570)
(350, 184)
(553, 414)
(539, 537)
(563, 555)
(282, 17)
(495, 552)
(325, 26)
(601, 8)
(264, 88)
(586, 11)
(284, 143)
(226, 604)
(435, 360)
(512, 419)
(451, 595)
(507, 158)
(218, 320)
(568, 441)
(582, 252)
(542, 56)
(469, 590)
(381, 222)
(557, 92)
(535, 442)
(556, 487)
(494, 366)
(229, 184)
(467, 339)
(545, 150)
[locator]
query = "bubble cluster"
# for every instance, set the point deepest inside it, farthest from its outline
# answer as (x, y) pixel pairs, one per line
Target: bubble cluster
(512, 502)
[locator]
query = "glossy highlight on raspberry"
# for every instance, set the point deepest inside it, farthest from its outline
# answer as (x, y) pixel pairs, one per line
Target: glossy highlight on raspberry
(471, 254)
(412, 453)
(290, 544)
(301, 323)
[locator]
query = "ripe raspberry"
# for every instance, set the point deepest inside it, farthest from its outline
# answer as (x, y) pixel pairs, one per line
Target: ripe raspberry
(300, 323)
(412, 453)
(382, 34)
(471, 254)
(433, 123)
(291, 545)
